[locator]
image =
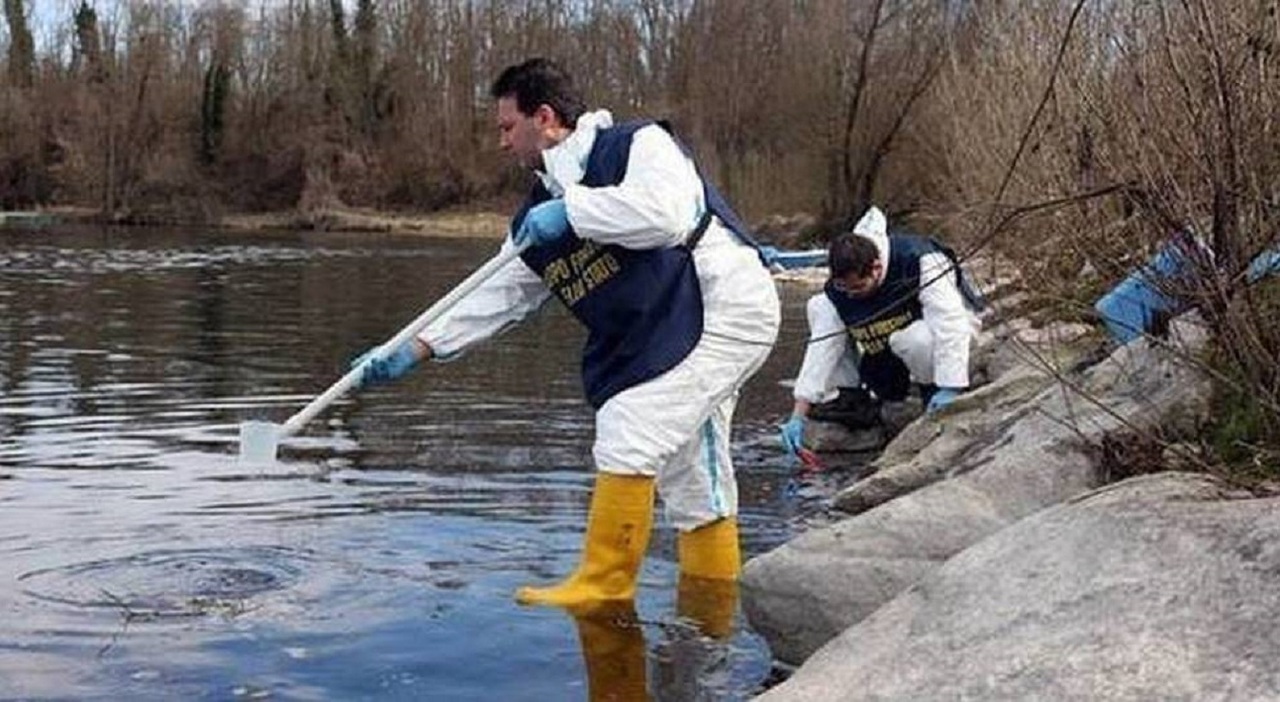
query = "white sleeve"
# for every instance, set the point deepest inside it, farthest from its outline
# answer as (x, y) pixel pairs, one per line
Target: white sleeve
(947, 318)
(510, 295)
(827, 357)
(656, 205)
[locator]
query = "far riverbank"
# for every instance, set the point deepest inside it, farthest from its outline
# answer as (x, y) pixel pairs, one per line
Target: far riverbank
(461, 223)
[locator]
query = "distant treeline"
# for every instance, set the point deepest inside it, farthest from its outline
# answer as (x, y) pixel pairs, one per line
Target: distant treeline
(1163, 112)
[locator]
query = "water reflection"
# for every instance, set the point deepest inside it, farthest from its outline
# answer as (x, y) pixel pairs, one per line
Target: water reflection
(613, 652)
(693, 656)
(139, 560)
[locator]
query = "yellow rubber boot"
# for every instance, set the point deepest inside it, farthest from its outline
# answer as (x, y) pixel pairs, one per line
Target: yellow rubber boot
(711, 551)
(618, 526)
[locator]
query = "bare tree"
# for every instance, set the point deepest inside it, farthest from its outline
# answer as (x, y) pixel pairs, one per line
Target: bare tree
(22, 53)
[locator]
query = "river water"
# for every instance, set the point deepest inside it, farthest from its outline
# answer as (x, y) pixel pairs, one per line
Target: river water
(376, 560)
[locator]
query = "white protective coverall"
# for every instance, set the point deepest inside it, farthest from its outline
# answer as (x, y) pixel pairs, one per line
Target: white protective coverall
(674, 427)
(935, 349)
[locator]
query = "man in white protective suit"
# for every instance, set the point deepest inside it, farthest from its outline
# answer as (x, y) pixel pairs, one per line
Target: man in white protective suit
(680, 312)
(895, 311)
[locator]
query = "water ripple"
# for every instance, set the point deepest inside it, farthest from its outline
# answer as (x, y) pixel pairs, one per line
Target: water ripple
(169, 583)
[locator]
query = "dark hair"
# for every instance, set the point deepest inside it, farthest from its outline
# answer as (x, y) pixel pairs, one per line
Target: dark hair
(851, 253)
(540, 81)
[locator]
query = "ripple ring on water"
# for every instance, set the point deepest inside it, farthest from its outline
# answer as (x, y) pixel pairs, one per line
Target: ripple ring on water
(169, 583)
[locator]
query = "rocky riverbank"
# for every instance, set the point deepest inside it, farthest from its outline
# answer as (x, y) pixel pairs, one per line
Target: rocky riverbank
(1053, 535)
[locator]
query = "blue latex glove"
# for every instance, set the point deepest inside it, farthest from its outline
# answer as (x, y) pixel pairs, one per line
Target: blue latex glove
(384, 370)
(941, 398)
(543, 223)
(792, 432)
(1266, 263)
(769, 254)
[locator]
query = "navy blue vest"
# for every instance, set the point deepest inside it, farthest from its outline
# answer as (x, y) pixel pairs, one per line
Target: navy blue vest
(892, 307)
(642, 308)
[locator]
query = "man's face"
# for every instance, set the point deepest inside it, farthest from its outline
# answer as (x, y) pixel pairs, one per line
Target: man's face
(855, 285)
(525, 136)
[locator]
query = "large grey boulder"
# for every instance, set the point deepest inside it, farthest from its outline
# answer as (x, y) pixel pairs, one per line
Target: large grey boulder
(1012, 359)
(1161, 587)
(926, 451)
(1004, 462)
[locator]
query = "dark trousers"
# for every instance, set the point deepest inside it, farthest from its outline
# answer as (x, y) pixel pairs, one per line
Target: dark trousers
(886, 375)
